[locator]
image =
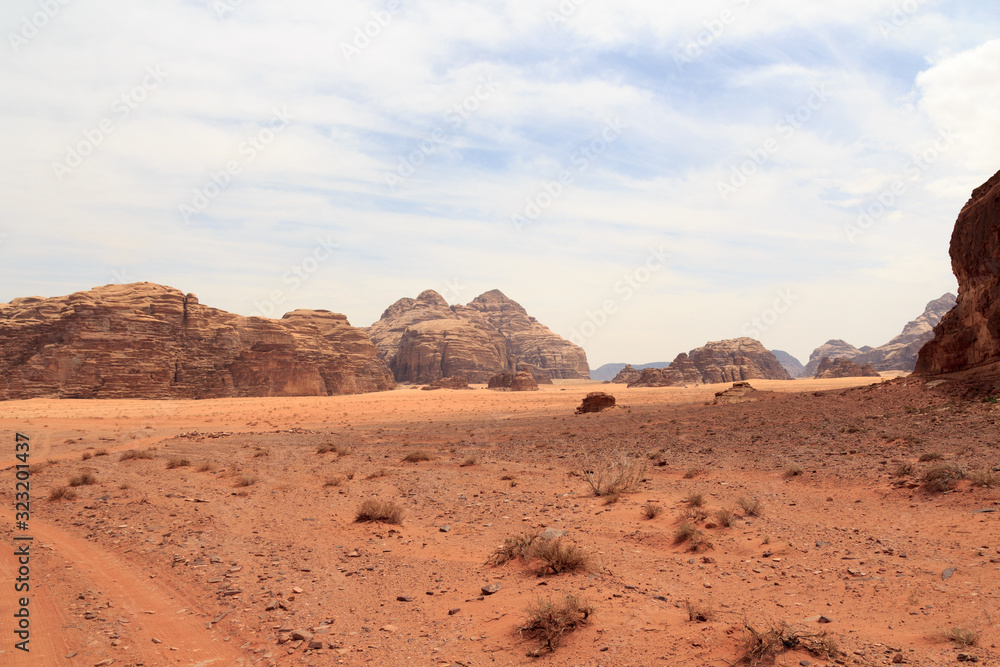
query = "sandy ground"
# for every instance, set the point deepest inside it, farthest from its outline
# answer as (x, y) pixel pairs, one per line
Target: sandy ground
(218, 561)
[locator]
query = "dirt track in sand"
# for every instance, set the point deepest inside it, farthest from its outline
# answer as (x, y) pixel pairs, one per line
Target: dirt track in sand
(846, 538)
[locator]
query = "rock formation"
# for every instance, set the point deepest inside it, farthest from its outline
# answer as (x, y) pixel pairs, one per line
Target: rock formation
(607, 372)
(789, 363)
(596, 401)
(966, 342)
(425, 339)
(835, 348)
(454, 382)
(520, 381)
(843, 368)
(719, 361)
(627, 375)
(740, 392)
(149, 341)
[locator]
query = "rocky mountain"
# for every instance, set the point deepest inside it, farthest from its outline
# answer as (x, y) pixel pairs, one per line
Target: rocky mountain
(843, 368)
(966, 341)
(834, 349)
(789, 363)
(424, 339)
(899, 354)
(144, 340)
(609, 371)
(731, 360)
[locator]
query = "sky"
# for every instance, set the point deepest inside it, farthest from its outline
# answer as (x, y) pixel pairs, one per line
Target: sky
(643, 176)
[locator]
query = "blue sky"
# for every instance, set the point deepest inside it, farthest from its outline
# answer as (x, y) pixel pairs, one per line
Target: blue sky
(642, 176)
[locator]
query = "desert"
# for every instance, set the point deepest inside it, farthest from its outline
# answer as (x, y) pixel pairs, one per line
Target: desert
(232, 539)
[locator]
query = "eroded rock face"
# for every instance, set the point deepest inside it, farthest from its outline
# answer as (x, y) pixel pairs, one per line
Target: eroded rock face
(144, 340)
(455, 382)
(731, 360)
(790, 363)
(596, 401)
(834, 349)
(843, 368)
(425, 339)
(520, 381)
(627, 375)
(740, 392)
(966, 342)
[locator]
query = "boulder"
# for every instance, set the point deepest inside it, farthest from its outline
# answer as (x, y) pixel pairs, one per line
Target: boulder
(596, 401)
(843, 368)
(740, 392)
(520, 381)
(966, 342)
(144, 340)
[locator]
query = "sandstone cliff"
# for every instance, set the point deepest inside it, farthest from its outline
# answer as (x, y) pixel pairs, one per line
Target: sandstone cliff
(843, 368)
(732, 360)
(834, 349)
(425, 339)
(967, 340)
(149, 341)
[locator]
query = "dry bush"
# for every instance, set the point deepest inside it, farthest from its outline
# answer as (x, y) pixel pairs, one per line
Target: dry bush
(750, 506)
(513, 548)
(691, 473)
(762, 647)
(260, 453)
(904, 470)
(724, 517)
(177, 462)
(339, 450)
(246, 480)
(695, 499)
(350, 474)
(418, 456)
(381, 511)
(985, 478)
(62, 493)
(615, 474)
(685, 532)
(612, 498)
(101, 452)
(470, 460)
(560, 556)
(793, 470)
(336, 480)
(930, 456)
(507, 478)
(381, 472)
(548, 621)
(206, 466)
(85, 456)
(942, 478)
(135, 454)
(324, 449)
(83, 479)
(651, 510)
(697, 611)
(695, 514)
(961, 636)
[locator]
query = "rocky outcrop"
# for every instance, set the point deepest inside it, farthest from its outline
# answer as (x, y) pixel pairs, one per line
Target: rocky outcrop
(732, 360)
(144, 340)
(834, 349)
(740, 392)
(425, 339)
(607, 372)
(792, 365)
(966, 341)
(900, 354)
(520, 381)
(843, 368)
(627, 375)
(596, 401)
(455, 382)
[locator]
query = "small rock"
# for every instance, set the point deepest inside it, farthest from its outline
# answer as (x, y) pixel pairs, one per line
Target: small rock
(302, 635)
(404, 598)
(490, 589)
(315, 645)
(452, 612)
(156, 641)
(967, 657)
(897, 659)
(104, 663)
(947, 573)
(388, 628)
(445, 529)
(297, 590)
(824, 619)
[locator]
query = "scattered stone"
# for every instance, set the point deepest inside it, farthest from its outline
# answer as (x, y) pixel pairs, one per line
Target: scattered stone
(302, 635)
(105, 662)
(596, 401)
(453, 611)
(388, 628)
(897, 659)
(404, 598)
(947, 573)
(313, 645)
(445, 529)
(490, 589)
(967, 657)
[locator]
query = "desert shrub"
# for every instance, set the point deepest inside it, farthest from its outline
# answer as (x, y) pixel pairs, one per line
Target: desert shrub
(85, 456)
(750, 506)
(324, 448)
(336, 480)
(651, 510)
(513, 548)
(338, 449)
(62, 493)
(101, 452)
(380, 511)
(941, 478)
(699, 612)
(205, 466)
(961, 636)
(260, 453)
(985, 478)
(418, 456)
(381, 472)
(793, 470)
(685, 532)
(470, 460)
(615, 474)
(177, 462)
(930, 456)
(560, 556)
(350, 474)
(549, 621)
(903, 470)
(507, 478)
(695, 514)
(695, 499)
(133, 454)
(246, 480)
(724, 517)
(762, 647)
(691, 473)
(83, 479)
